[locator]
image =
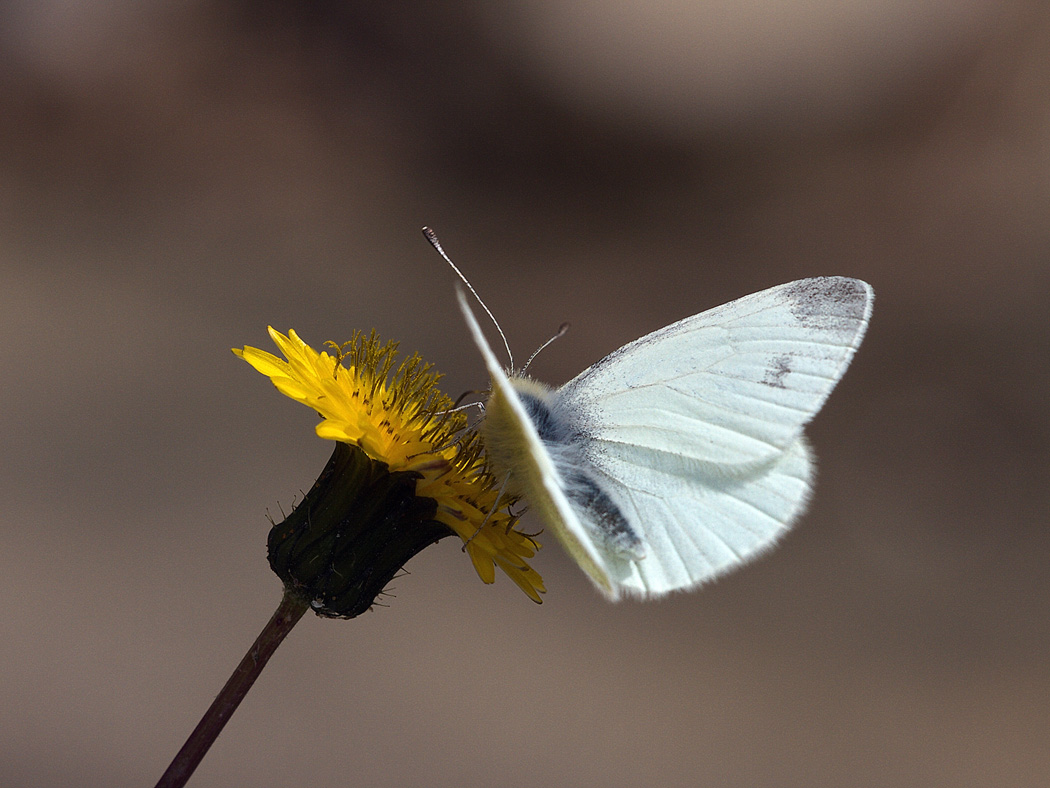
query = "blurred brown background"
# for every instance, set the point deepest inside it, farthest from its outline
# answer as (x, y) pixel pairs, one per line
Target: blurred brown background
(175, 177)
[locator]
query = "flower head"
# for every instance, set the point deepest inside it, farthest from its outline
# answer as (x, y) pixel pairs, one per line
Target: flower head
(396, 416)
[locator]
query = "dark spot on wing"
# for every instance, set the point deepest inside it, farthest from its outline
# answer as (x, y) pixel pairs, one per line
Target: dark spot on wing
(613, 528)
(778, 370)
(565, 444)
(828, 302)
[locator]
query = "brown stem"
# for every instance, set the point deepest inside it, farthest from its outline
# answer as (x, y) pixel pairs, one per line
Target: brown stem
(218, 714)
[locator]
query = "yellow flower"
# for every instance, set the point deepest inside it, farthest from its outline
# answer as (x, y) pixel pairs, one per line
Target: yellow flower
(398, 417)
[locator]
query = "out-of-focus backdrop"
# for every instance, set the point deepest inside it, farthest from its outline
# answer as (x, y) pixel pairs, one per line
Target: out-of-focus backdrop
(175, 176)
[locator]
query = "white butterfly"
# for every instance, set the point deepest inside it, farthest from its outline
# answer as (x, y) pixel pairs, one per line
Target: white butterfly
(680, 455)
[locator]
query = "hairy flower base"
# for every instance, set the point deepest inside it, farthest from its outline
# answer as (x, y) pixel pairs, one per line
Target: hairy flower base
(396, 416)
(352, 533)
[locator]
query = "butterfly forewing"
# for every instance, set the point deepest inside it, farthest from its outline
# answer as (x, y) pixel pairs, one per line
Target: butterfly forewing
(732, 386)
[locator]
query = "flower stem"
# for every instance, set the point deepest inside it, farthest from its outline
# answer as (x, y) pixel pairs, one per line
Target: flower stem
(218, 714)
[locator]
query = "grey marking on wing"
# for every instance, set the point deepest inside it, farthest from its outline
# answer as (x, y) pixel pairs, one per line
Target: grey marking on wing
(778, 370)
(565, 445)
(613, 529)
(828, 302)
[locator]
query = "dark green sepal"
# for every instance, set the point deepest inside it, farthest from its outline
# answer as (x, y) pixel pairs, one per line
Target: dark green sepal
(356, 528)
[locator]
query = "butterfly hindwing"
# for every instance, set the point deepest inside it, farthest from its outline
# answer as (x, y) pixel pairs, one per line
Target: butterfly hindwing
(696, 528)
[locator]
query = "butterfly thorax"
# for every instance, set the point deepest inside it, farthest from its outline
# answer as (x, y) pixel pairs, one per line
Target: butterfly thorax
(506, 441)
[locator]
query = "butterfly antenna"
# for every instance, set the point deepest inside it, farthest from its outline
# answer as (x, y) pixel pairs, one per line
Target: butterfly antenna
(431, 236)
(563, 329)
